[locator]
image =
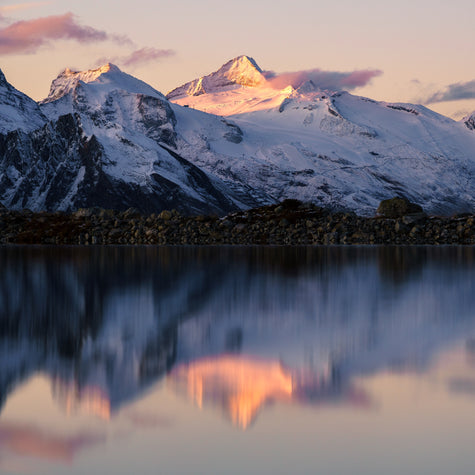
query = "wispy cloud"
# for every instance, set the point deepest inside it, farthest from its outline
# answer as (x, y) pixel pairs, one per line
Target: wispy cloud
(333, 80)
(452, 92)
(138, 57)
(26, 37)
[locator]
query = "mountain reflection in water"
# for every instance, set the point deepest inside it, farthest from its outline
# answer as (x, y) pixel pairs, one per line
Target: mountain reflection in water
(235, 328)
(243, 385)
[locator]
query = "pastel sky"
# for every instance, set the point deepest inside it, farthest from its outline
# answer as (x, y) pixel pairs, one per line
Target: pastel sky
(415, 50)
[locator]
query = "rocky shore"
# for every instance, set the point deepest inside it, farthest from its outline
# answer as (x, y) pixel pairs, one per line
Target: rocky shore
(288, 223)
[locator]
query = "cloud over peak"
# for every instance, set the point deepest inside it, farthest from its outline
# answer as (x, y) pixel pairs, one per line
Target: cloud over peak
(138, 57)
(332, 80)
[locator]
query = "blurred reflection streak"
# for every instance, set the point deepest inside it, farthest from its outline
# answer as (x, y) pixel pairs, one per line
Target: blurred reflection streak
(32, 441)
(241, 386)
(90, 399)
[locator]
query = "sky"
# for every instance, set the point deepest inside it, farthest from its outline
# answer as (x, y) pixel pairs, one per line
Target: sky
(418, 51)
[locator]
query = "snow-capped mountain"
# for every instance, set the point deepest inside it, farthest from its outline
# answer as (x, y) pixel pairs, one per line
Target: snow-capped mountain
(229, 140)
(338, 149)
(108, 74)
(110, 142)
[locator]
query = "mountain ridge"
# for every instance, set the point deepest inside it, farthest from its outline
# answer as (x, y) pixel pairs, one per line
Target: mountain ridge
(105, 138)
(340, 150)
(108, 142)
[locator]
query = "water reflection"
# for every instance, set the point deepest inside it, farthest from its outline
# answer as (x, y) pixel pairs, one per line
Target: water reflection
(242, 386)
(28, 440)
(235, 328)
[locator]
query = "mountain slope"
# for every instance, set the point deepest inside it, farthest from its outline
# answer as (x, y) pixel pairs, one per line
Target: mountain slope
(339, 150)
(17, 111)
(111, 143)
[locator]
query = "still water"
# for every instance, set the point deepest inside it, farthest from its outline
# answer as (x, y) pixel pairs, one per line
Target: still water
(237, 360)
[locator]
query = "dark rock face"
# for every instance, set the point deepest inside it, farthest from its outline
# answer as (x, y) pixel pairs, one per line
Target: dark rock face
(158, 119)
(470, 122)
(38, 170)
(200, 181)
(58, 167)
(234, 134)
(3, 81)
(398, 207)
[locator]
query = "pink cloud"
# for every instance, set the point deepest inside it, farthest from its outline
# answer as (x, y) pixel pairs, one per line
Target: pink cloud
(332, 80)
(138, 57)
(360, 78)
(146, 55)
(26, 37)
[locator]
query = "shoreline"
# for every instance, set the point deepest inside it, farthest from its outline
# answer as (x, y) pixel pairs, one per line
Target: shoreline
(287, 223)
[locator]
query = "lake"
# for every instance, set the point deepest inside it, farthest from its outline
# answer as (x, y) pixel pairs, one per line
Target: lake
(232, 360)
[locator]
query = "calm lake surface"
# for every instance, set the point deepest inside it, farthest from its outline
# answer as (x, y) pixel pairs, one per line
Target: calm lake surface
(328, 360)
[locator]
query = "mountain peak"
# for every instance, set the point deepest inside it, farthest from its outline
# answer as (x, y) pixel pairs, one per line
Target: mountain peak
(244, 64)
(92, 74)
(240, 71)
(69, 78)
(244, 58)
(108, 74)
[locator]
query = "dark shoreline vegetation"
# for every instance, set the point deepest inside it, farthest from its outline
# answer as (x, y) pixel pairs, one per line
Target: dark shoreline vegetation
(288, 223)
